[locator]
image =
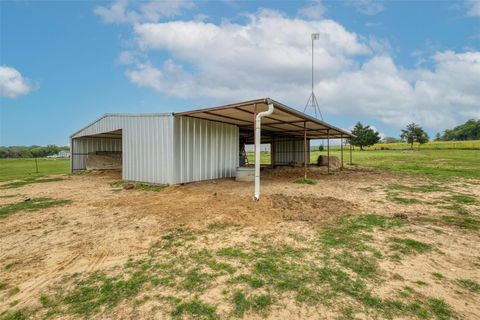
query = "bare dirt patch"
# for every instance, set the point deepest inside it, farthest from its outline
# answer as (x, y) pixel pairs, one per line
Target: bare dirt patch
(104, 226)
(316, 210)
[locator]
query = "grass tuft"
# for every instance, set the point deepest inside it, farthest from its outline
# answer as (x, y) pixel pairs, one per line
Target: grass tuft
(31, 205)
(97, 290)
(395, 197)
(257, 303)
(14, 315)
(463, 222)
(471, 285)
(417, 188)
(438, 275)
(140, 186)
(409, 246)
(196, 309)
(231, 252)
(150, 187)
(306, 181)
(21, 183)
(440, 309)
(463, 199)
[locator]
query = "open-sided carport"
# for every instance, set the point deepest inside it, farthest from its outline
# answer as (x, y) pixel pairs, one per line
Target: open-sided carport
(200, 144)
(267, 121)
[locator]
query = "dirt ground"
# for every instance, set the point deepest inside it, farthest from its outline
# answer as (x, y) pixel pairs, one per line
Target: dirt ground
(104, 226)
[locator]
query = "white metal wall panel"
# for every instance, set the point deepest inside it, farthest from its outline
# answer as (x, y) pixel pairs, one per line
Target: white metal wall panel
(148, 149)
(288, 150)
(81, 147)
(204, 149)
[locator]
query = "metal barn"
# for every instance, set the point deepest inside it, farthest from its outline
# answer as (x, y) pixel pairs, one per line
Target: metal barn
(202, 144)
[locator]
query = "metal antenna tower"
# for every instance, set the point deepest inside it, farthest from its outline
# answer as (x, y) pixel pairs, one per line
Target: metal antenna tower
(312, 100)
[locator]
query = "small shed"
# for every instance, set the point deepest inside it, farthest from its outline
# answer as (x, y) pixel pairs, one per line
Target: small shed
(203, 144)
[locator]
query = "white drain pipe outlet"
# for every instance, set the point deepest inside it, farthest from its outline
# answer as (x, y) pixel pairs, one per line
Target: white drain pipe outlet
(258, 123)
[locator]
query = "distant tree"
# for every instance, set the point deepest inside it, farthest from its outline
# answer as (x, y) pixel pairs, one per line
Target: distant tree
(470, 130)
(438, 137)
(390, 140)
(30, 151)
(414, 133)
(365, 136)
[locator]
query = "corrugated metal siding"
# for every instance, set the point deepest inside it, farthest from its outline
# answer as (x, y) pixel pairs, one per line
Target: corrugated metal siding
(288, 150)
(81, 147)
(148, 150)
(204, 149)
(146, 145)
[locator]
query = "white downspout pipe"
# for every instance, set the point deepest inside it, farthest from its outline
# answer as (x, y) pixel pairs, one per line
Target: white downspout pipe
(258, 123)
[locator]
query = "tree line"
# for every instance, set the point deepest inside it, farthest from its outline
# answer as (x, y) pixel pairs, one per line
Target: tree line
(470, 130)
(366, 136)
(30, 151)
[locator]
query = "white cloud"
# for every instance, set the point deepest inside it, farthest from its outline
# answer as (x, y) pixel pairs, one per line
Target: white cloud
(435, 98)
(12, 83)
(473, 8)
(270, 55)
(116, 13)
(368, 7)
(243, 61)
(126, 58)
(121, 11)
(201, 17)
(170, 78)
(315, 10)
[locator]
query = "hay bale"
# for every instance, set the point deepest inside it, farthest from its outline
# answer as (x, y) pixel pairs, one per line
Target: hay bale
(104, 161)
(334, 162)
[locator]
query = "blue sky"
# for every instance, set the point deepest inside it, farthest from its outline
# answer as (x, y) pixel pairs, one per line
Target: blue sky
(63, 64)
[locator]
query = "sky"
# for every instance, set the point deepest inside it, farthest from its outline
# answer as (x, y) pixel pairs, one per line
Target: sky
(385, 63)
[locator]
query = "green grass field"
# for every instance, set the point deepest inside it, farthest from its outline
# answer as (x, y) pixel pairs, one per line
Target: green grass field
(437, 163)
(432, 163)
(11, 169)
(468, 145)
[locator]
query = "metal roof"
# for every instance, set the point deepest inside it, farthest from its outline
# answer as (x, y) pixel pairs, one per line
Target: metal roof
(283, 121)
(113, 115)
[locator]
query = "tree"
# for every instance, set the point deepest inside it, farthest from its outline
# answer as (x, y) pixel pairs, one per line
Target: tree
(414, 133)
(30, 151)
(365, 136)
(470, 130)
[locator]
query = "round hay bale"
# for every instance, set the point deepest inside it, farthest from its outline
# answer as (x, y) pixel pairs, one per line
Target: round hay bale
(335, 163)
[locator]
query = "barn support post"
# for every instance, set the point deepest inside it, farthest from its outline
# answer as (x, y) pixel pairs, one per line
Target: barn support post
(71, 155)
(341, 148)
(350, 142)
(272, 152)
(328, 150)
(305, 150)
